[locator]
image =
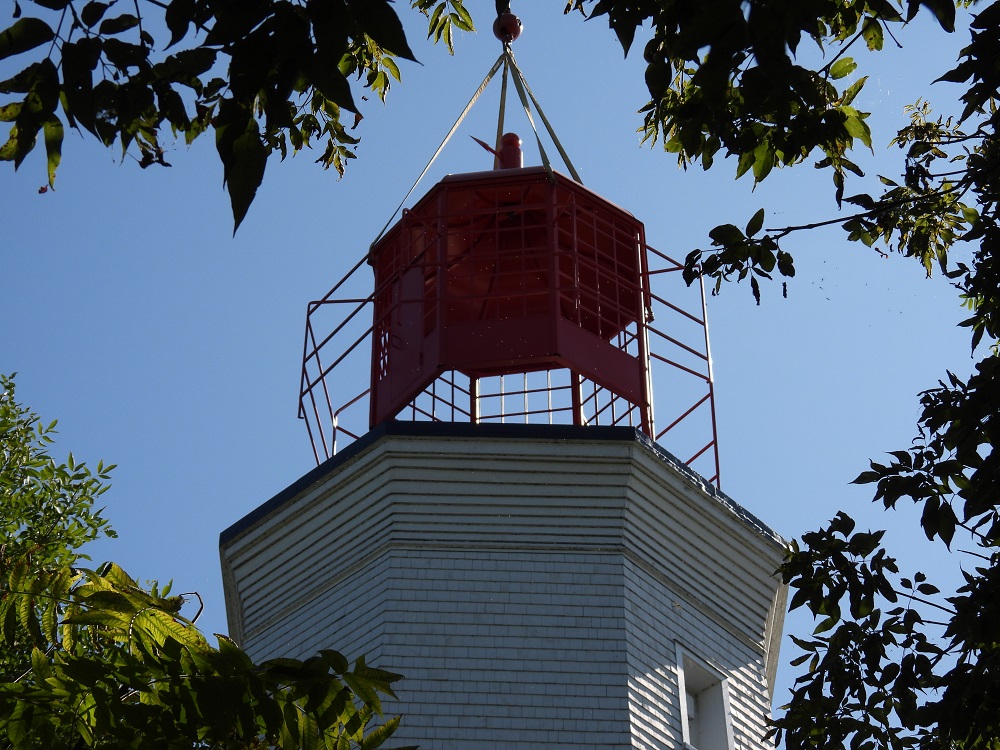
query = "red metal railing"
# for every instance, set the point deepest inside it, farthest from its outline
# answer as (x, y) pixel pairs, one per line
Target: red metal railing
(338, 355)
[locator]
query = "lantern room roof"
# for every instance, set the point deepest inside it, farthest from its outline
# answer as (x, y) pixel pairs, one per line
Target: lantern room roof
(500, 176)
(526, 172)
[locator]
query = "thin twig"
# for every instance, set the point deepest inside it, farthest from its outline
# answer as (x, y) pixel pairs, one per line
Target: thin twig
(201, 605)
(893, 37)
(138, 16)
(785, 231)
(826, 68)
(977, 554)
(62, 17)
(910, 595)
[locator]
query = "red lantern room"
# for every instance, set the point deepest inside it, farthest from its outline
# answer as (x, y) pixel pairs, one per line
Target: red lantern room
(511, 271)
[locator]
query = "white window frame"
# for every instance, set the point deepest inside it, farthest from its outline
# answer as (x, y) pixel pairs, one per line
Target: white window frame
(715, 715)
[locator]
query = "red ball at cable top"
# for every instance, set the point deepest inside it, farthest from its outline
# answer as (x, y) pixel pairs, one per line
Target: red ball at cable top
(507, 27)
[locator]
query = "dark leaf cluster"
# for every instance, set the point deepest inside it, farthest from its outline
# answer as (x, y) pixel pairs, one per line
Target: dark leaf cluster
(724, 77)
(89, 658)
(262, 75)
(114, 665)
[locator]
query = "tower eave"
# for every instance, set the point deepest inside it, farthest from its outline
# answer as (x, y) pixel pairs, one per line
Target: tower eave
(410, 485)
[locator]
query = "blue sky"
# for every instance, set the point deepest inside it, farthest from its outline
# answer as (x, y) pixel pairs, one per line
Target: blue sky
(166, 345)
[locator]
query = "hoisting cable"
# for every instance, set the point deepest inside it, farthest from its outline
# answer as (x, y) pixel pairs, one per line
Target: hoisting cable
(503, 108)
(519, 76)
(458, 122)
(519, 85)
(526, 95)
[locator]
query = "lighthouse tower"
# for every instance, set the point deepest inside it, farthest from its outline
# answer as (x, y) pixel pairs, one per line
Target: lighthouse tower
(510, 533)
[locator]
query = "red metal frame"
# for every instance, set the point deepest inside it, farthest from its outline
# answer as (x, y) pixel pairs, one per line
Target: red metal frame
(508, 271)
(512, 296)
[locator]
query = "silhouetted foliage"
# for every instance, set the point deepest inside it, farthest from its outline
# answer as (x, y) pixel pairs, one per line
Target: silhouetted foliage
(91, 659)
(894, 661)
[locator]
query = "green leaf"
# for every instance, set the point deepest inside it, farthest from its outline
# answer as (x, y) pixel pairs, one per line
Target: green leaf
(18, 725)
(162, 626)
(755, 224)
(377, 737)
(335, 660)
(766, 259)
(842, 523)
(29, 619)
(946, 523)
(379, 21)
(434, 21)
(449, 38)
(118, 24)
(53, 130)
(24, 35)
(50, 622)
(178, 18)
(79, 59)
(105, 618)
(391, 66)
(866, 477)
(9, 112)
(872, 32)
(333, 85)
(172, 106)
(862, 199)
(863, 543)
(308, 730)
(825, 625)
(851, 92)
(746, 161)
(944, 11)
(838, 182)
(290, 728)
(464, 21)
(885, 10)
(125, 55)
(93, 12)
(859, 129)
(40, 664)
(113, 574)
(362, 688)
(843, 67)
(9, 623)
(244, 158)
(763, 161)
(23, 137)
(726, 235)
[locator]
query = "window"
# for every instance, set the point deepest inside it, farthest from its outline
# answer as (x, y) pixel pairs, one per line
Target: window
(704, 706)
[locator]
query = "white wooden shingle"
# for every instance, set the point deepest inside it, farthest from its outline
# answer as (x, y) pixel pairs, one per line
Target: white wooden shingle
(531, 583)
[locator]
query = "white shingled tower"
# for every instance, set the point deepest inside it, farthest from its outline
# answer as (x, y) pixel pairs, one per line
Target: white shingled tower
(509, 534)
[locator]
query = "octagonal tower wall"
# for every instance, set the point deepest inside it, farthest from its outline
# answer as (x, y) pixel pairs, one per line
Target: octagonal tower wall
(535, 585)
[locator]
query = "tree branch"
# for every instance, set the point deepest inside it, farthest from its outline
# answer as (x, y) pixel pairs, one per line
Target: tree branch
(785, 231)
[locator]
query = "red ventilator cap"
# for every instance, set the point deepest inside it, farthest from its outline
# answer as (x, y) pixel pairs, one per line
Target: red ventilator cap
(510, 156)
